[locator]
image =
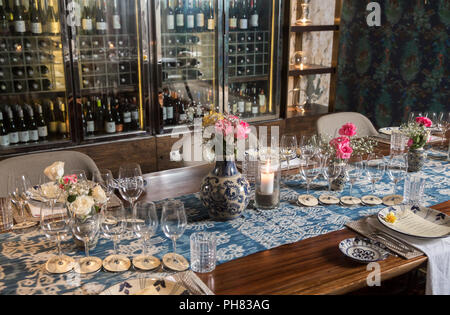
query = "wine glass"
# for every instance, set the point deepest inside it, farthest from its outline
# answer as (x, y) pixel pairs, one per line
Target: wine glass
(375, 169)
(288, 148)
(19, 191)
(307, 149)
(81, 175)
(55, 224)
(86, 229)
(311, 171)
(173, 224)
(331, 171)
(113, 226)
(105, 179)
(49, 191)
(145, 224)
(397, 169)
(131, 183)
(354, 171)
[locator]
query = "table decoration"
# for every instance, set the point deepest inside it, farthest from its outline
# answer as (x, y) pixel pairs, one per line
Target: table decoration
(150, 286)
(363, 250)
(307, 201)
(225, 191)
(267, 195)
(350, 201)
(329, 200)
(419, 136)
(370, 200)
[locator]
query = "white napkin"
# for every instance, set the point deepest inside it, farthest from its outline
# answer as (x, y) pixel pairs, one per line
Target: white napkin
(295, 163)
(36, 211)
(438, 253)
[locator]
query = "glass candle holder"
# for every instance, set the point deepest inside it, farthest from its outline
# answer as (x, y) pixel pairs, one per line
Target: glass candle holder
(267, 190)
(299, 60)
(304, 20)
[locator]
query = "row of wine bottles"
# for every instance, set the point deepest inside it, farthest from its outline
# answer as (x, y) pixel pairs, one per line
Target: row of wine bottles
(19, 45)
(94, 19)
(23, 20)
(110, 115)
(26, 85)
(21, 124)
(247, 100)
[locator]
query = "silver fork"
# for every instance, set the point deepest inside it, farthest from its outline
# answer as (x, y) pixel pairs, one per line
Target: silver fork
(395, 243)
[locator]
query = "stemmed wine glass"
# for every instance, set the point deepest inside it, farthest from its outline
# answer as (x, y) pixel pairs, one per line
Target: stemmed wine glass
(331, 171)
(307, 149)
(131, 183)
(113, 226)
(288, 148)
(375, 169)
(81, 175)
(49, 191)
(145, 224)
(354, 172)
(105, 179)
(311, 171)
(397, 169)
(86, 229)
(173, 224)
(19, 190)
(55, 224)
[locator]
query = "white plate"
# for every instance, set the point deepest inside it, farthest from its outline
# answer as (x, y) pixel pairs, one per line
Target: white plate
(388, 130)
(146, 287)
(417, 221)
(363, 250)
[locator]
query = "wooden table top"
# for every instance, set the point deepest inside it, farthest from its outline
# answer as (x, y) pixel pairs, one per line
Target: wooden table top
(311, 266)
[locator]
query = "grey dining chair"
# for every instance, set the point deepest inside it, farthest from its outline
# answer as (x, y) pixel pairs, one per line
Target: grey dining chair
(33, 166)
(329, 124)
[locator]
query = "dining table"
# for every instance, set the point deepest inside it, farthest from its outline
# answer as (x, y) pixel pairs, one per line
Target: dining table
(253, 258)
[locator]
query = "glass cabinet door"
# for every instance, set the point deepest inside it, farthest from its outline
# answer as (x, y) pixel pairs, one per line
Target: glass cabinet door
(107, 58)
(188, 60)
(33, 89)
(251, 47)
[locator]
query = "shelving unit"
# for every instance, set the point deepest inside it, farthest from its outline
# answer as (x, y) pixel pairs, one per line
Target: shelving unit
(292, 75)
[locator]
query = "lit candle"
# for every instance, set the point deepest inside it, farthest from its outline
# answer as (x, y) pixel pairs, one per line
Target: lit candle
(267, 180)
(301, 66)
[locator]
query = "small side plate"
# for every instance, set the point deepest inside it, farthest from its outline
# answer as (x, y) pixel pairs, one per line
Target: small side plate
(363, 250)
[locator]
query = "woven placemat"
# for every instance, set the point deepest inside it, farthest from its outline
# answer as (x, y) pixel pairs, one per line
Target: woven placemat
(362, 228)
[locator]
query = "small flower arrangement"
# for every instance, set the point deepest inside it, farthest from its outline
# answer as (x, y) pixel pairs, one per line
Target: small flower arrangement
(82, 198)
(417, 132)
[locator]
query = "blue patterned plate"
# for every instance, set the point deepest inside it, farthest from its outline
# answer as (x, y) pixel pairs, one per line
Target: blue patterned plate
(363, 250)
(417, 221)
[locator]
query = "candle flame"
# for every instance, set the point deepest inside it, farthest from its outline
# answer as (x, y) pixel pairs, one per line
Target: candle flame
(301, 66)
(268, 166)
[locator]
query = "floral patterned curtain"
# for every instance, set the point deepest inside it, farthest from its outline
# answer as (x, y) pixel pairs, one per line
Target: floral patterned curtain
(387, 71)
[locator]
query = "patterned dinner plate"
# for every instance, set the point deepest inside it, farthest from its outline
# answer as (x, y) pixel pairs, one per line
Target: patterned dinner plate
(388, 130)
(147, 287)
(363, 250)
(416, 221)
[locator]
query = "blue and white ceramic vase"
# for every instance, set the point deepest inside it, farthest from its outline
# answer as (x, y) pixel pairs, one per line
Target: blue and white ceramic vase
(416, 160)
(225, 192)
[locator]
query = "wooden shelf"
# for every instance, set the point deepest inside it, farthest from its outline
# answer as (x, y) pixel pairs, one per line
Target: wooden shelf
(310, 69)
(313, 28)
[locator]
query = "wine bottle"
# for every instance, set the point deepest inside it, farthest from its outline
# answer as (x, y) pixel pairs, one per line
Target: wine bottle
(180, 17)
(116, 23)
(126, 115)
(170, 17)
(18, 72)
(34, 85)
(24, 135)
(99, 116)
(199, 17)
(169, 109)
(19, 18)
(243, 18)
(110, 123)
(47, 85)
(255, 105)
(90, 123)
(35, 19)
(4, 136)
(233, 16)
(117, 117)
(53, 123)
(52, 21)
(135, 125)
(12, 130)
(44, 70)
(86, 19)
(32, 125)
(101, 24)
(19, 87)
(262, 102)
(4, 22)
(41, 125)
(3, 87)
(254, 15)
(211, 18)
(62, 123)
(190, 17)
(10, 15)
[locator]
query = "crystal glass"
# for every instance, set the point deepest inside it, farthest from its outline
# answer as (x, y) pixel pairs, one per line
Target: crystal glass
(49, 190)
(376, 167)
(397, 168)
(203, 252)
(331, 170)
(145, 224)
(354, 171)
(55, 224)
(307, 147)
(398, 142)
(19, 192)
(298, 60)
(113, 226)
(131, 183)
(105, 179)
(311, 170)
(81, 175)
(288, 148)
(86, 229)
(414, 190)
(173, 223)
(6, 215)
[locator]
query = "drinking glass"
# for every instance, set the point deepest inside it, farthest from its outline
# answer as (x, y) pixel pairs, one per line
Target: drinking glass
(307, 148)
(173, 224)
(414, 190)
(105, 179)
(354, 172)
(81, 175)
(49, 190)
(145, 224)
(331, 171)
(375, 169)
(7, 219)
(398, 142)
(311, 171)
(397, 169)
(113, 226)
(55, 224)
(19, 191)
(288, 148)
(131, 183)
(203, 252)
(86, 229)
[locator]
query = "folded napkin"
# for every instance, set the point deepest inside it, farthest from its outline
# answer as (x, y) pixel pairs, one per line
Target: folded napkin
(36, 210)
(295, 163)
(438, 253)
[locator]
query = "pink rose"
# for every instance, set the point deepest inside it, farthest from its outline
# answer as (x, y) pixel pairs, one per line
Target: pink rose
(424, 121)
(410, 142)
(344, 152)
(348, 130)
(70, 179)
(224, 127)
(339, 141)
(242, 130)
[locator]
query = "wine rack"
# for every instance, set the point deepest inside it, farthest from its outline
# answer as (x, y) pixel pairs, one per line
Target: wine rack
(31, 64)
(248, 55)
(107, 62)
(188, 56)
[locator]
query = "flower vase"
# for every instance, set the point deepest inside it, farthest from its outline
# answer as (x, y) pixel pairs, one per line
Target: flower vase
(416, 159)
(225, 192)
(339, 183)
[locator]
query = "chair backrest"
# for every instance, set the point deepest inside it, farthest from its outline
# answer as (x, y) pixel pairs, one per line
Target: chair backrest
(33, 166)
(328, 124)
